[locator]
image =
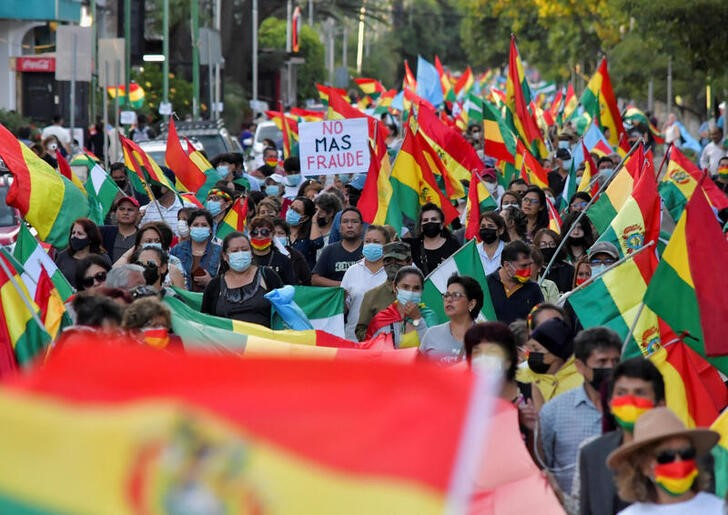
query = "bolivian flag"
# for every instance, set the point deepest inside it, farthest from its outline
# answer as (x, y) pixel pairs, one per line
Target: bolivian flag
(147, 431)
(600, 103)
(234, 219)
(720, 454)
(136, 95)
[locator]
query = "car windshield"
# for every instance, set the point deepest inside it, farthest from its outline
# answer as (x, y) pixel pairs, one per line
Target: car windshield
(158, 156)
(7, 213)
(213, 145)
(270, 132)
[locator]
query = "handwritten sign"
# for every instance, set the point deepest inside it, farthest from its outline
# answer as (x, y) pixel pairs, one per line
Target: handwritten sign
(334, 146)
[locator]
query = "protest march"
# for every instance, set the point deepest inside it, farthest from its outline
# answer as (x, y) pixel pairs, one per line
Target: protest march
(454, 296)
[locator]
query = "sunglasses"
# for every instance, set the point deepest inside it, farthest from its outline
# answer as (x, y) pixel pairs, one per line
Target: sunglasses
(88, 282)
(670, 455)
(260, 232)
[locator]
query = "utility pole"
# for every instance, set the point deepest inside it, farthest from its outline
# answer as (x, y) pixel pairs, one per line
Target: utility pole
(195, 24)
(255, 52)
(360, 41)
(127, 49)
(218, 78)
(165, 51)
(94, 60)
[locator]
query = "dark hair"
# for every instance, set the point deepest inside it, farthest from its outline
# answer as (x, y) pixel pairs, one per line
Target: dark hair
(204, 213)
(269, 148)
(513, 250)
(308, 210)
(355, 210)
(407, 270)
(185, 211)
(583, 195)
(277, 222)
(520, 222)
(381, 229)
(605, 159)
(542, 217)
(513, 194)
(57, 118)
(144, 228)
(517, 181)
(537, 257)
(640, 368)
(497, 333)
(328, 202)
(224, 267)
(589, 340)
(161, 254)
(117, 166)
(538, 308)
(445, 233)
(586, 227)
(93, 310)
(473, 291)
(292, 164)
(259, 221)
(166, 233)
(85, 264)
(499, 222)
(92, 233)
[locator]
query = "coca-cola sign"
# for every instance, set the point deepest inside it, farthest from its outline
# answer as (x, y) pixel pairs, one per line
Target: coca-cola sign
(35, 64)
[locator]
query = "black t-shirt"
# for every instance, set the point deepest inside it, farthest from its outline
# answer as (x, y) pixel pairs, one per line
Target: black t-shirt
(280, 264)
(556, 182)
(518, 305)
(267, 170)
(428, 259)
(335, 260)
(562, 274)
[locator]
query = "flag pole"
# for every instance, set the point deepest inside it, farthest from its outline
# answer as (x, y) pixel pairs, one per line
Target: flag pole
(634, 325)
(614, 265)
(662, 163)
(26, 300)
(586, 208)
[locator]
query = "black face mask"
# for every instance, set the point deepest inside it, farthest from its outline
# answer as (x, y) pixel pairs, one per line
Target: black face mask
(77, 244)
(156, 190)
(431, 229)
(548, 253)
(321, 222)
(391, 270)
(599, 377)
(121, 183)
(578, 242)
(151, 273)
(536, 363)
(488, 235)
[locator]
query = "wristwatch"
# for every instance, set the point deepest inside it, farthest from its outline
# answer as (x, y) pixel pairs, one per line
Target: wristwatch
(416, 322)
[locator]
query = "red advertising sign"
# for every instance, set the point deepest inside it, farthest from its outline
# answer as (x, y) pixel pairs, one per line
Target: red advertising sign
(35, 64)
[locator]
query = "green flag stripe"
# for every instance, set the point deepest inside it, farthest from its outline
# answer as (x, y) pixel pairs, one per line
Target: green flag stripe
(601, 213)
(32, 342)
(673, 198)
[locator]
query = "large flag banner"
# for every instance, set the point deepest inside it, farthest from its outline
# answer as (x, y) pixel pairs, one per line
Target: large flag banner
(33, 258)
(156, 431)
(600, 104)
(720, 454)
(102, 192)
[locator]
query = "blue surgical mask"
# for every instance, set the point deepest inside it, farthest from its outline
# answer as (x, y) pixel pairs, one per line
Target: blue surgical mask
(152, 245)
(199, 234)
(564, 144)
(293, 180)
(345, 178)
(598, 269)
(240, 261)
(292, 217)
(404, 296)
(578, 181)
(272, 190)
(214, 207)
(372, 251)
(222, 172)
(282, 240)
(566, 164)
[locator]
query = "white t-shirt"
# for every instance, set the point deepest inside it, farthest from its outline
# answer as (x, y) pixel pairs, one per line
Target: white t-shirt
(490, 265)
(703, 503)
(59, 132)
(358, 280)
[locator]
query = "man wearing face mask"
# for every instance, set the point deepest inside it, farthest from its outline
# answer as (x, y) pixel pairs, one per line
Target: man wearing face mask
(395, 255)
(337, 257)
(512, 291)
(166, 206)
(490, 177)
(576, 415)
(118, 174)
(637, 386)
(270, 163)
(606, 168)
(219, 200)
(266, 254)
(602, 255)
(557, 177)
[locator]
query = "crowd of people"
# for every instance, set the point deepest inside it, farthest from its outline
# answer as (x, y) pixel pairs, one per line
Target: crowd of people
(580, 408)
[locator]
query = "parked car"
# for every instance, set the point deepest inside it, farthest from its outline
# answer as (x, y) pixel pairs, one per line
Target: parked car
(265, 130)
(10, 218)
(157, 148)
(211, 134)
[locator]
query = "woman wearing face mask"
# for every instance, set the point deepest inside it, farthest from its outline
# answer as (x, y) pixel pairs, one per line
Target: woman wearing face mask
(155, 263)
(157, 235)
(84, 239)
(265, 253)
(91, 273)
(149, 321)
(327, 205)
(579, 201)
(219, 200)
(183, 226)
(273, 187)
(491, 345)
(492, 236)
(515, 223)
(406, 318)
(561, 272)
(269, 206)
(490, 178)
(364, 275)
(535, 209)
(200, 255)
(658, 471)
(510, 199)
(582, 272)
(239, 289)
(580, 238)
(281, 236)
(548, 288)
(463, 301)
(299, 217)
(434, 243)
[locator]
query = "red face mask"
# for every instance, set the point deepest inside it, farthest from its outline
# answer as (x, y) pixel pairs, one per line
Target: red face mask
(272, 162)
(261, 243)
(157, 337)
(677, 477)
(581, 280)
(522, 275)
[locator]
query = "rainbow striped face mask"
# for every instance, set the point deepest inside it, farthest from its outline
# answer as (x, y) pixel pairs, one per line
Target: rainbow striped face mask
(677, 477)
(628, 408)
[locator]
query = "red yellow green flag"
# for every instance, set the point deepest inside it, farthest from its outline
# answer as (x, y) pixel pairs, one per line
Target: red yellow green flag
(136, 95)
(464, 83)
(685, 290)
(376, 197)
(447, 88)
(409, 83)
(600, 104)
(371, 87)
(46, 200)
(531, 170)
(518, 97)
(247, 438)
(145, 168)
(499, 140)
(479, 201)
(234, 219)
(720, 455)
(190, 173)
(590, 173)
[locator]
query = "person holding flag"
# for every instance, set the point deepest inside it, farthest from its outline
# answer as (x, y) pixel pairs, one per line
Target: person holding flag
(165, 205)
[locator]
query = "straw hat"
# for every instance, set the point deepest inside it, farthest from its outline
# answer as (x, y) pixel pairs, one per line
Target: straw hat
(659, 424)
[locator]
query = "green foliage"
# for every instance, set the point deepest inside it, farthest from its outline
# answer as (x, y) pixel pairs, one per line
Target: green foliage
(13, 120)
(180, 91)
(272, 35)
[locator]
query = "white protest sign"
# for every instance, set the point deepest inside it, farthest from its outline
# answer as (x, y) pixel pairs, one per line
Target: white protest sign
(334, 146)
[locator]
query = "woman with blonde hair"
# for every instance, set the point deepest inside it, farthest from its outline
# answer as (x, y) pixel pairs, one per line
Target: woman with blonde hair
(657, 470)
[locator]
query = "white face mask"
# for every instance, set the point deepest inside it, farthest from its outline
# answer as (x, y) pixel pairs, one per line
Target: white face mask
(489, 363)
(182, 228)
(491, 187)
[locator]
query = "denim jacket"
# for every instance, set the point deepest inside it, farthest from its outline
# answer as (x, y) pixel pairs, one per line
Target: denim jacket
(210, 260)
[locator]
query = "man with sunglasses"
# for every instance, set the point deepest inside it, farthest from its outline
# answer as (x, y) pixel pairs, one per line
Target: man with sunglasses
(265, 253)
(512, 291)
